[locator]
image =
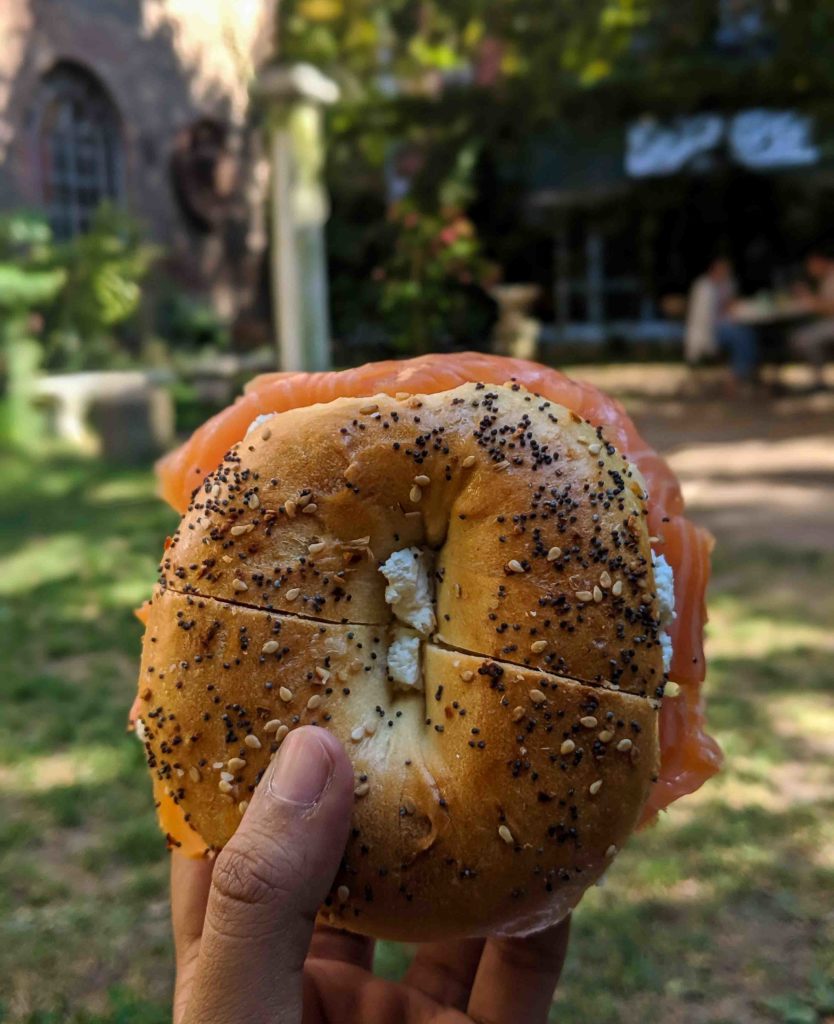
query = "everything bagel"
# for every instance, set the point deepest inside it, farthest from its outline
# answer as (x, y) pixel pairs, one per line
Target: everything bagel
(461, 586)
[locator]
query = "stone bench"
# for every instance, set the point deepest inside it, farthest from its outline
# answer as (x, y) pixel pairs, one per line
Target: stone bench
(127, 416)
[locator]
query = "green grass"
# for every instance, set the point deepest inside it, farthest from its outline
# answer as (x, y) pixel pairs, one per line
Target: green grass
(721, 912)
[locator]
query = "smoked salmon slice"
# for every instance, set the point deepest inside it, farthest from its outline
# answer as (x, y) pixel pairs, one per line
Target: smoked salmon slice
(688, 755)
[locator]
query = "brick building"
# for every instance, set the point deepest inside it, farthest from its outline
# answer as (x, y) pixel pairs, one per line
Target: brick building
(145, 103)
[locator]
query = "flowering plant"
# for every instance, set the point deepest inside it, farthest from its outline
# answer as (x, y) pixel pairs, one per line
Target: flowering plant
(427, 283)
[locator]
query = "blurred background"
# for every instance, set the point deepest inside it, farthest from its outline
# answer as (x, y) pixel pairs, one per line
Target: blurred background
(196, 191)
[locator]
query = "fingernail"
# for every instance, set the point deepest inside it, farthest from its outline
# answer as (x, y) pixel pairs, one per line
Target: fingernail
(302, 769)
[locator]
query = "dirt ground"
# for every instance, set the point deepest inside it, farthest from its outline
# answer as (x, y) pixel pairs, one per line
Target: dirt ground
(759, 470)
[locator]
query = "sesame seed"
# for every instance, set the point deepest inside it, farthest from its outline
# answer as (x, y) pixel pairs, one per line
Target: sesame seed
(595, 787)
(515, 566)
(554, 553)
(606, 736)
(624, 744)
(270, 647)
(254, 501)
(242, 806)
(518, 713)
(309, 509)
(236, 763)
(655, 540)
(458, 590)
(292, 593)
(358, 733)
(281, 733)
(317, 547)
(413, 515)
(605, 580)
(617, 589)
(567, 747)
(252, 741)
(589, 722)
(352, 472)
(314, 702)
(370, 726)
(368, 409)
(267, 434)
(273, 725)
(672, 689)
(216, 491)
(285, 694)
(290, 507)
(468, 462)
(402, 395)
(415, 494)
(467, 675)
(343, 894)
(217, 765)
(506, 835)
(611, 851)
(194, 774)
(538, 646)
(361, 789)
(226, 777)
(224, 787)
(595, 448)
(537, 697)
(239, 585)
(598, 595)
(322, 673)
(584, 595)
(422, 480)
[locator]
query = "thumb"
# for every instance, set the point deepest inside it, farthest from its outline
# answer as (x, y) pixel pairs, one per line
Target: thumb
(268, 883)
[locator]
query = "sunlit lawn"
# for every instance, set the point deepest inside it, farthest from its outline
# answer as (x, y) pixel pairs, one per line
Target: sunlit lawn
(723, 912)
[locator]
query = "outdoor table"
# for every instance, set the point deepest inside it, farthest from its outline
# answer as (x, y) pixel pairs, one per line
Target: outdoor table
(766, 313)
(772, 320)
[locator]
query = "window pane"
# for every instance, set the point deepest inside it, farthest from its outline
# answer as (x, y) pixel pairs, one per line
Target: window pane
(80, 147)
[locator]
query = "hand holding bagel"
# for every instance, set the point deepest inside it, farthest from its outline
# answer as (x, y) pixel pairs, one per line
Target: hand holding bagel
(247, 950)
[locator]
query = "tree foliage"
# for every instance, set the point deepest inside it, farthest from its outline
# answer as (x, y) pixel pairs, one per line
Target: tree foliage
(73, 295)
(460, 90)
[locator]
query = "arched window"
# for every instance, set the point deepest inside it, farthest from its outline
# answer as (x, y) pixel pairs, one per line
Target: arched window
(80, 148)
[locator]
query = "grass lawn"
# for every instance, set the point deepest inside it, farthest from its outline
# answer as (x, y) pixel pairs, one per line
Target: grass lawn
(722, 912)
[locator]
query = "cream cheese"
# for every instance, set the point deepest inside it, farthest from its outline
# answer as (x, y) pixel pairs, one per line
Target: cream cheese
(664, 585)
(404, 661)
(258, 420)
(409, 590)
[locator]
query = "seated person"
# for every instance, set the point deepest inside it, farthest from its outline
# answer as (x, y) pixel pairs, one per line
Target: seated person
(710, 327)
(815, 341)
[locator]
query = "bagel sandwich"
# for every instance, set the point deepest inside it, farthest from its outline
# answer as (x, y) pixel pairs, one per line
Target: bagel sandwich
(465, 585)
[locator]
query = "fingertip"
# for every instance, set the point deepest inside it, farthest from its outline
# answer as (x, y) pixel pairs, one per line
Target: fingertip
(310, 766)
